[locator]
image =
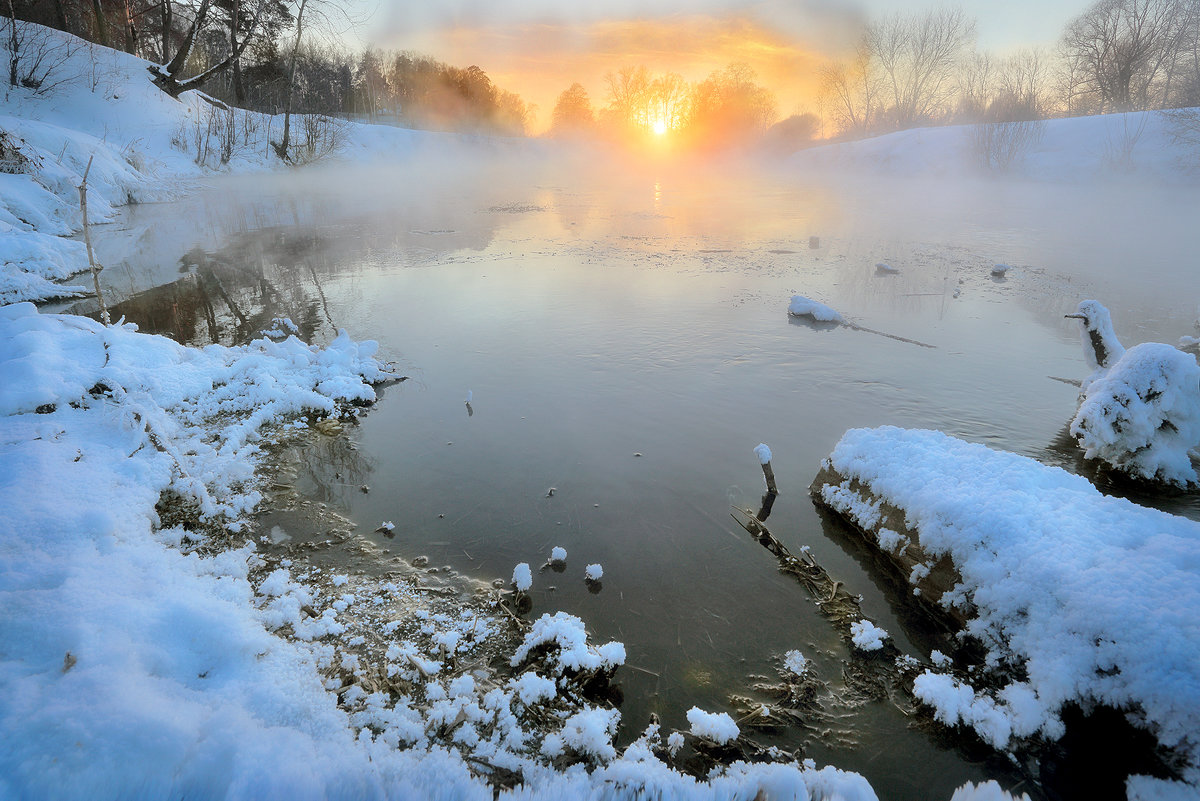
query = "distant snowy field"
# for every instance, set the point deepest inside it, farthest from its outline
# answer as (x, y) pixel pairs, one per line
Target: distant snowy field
(1137, 145)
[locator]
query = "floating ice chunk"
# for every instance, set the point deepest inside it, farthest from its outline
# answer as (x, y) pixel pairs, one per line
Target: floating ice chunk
(718, 727)
(884, 268)
(763, 453)
(999, 270)
(386, 526)
(593, 573)
(805, 307)
(522, 577)
(866, 636)
(469, 396)
(558, 554)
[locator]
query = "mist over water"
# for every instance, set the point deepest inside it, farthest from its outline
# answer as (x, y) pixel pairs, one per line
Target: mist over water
(622, 332)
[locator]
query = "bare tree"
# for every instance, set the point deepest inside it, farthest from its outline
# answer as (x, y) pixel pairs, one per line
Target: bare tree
(976, 86)
(628, 96)
(168, 76)
(1127, 50)
(14, 46)
(850, 90)
(918, 56)
(281, 147)
(669, 100)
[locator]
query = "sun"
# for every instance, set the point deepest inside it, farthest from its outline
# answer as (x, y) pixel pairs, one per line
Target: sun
(659, 127)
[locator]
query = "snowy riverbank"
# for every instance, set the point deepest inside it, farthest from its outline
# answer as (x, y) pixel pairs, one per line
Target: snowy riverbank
(159, 659)
(100, 107)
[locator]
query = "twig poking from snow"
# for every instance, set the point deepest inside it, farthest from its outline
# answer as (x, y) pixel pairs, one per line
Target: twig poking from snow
(87, 240)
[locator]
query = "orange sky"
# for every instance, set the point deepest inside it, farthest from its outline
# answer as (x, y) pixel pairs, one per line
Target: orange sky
(540, 60)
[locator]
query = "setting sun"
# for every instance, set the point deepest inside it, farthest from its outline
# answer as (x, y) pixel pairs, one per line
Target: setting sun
(659, 127)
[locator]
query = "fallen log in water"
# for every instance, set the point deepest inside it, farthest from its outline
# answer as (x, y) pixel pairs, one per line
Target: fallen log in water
(1079, 600)
(885, 529)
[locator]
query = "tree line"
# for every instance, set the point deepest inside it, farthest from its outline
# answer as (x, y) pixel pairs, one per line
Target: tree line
(908, 69)
(924, 69)
(726, 109)
(261, 55)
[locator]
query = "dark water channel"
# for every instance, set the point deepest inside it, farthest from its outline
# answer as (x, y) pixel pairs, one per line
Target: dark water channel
(626, 343)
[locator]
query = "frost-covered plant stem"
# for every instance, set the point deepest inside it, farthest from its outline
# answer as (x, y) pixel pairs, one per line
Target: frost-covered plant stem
(87, 240)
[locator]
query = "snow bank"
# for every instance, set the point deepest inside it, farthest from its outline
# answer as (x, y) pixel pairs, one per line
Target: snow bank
(143, 146)
(1094, 598)
(133, 665)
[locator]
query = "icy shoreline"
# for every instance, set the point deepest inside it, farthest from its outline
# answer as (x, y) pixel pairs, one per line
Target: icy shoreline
(168, 658)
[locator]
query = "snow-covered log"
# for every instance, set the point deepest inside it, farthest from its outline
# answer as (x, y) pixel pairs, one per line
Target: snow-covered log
(1076, 596)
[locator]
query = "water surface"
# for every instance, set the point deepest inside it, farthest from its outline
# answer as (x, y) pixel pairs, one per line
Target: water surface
(625, 343)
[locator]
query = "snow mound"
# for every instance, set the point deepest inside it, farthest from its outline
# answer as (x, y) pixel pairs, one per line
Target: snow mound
(795, 662)
(571, 650)
(801, 306)
(1142, 414)
(988, 791)
(718, 727)
(522, 577)
(866, 636)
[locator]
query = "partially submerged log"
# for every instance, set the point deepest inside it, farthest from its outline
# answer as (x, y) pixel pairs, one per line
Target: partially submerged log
(885, 529)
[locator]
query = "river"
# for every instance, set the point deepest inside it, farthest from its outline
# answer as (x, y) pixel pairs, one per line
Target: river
(623, 341)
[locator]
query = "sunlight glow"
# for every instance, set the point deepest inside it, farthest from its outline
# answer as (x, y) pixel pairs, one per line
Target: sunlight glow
(659, 127)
